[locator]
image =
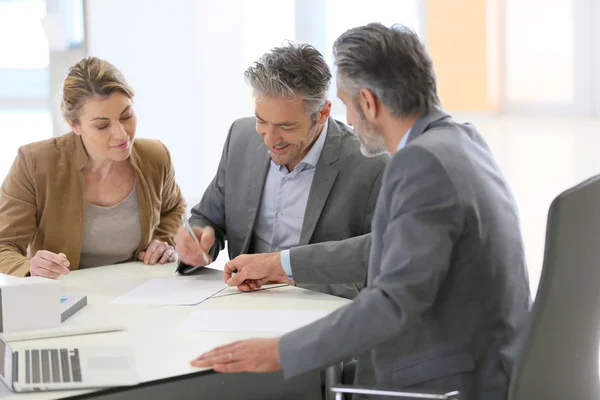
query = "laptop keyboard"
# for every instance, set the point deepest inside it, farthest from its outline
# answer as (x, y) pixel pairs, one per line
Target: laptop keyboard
(52, 366)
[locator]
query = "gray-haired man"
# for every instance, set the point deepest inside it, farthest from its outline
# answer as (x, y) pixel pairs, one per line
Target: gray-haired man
(447, 296)
(293, 195)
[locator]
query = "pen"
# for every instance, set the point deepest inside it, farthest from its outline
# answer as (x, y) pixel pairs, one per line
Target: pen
(188, 227)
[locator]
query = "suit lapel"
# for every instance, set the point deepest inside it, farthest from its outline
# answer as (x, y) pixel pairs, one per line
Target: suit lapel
(323, 181)
(259, 165)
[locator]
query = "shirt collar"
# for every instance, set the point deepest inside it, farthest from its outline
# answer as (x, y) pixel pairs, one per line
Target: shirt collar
(403, 141)
(312, 157)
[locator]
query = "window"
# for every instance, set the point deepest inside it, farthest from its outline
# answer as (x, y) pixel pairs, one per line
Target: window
(24, 80)
(20, 127)
(24, 43)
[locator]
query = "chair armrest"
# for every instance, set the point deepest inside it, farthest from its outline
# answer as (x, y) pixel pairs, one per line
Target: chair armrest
(339, 391)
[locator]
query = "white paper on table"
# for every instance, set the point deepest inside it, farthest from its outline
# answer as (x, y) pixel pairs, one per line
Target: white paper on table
(219, 263)
(183, 292)
(279, 321)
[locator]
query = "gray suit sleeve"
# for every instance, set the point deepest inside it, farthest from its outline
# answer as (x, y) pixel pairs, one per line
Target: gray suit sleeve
(343, 261)
(211, 209)
(425, 219)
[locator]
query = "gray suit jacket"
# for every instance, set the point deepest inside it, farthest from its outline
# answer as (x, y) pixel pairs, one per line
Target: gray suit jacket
(335, 238)
(447, 295)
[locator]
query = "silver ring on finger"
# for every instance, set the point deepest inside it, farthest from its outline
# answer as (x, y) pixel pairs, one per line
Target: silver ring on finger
(230, 357)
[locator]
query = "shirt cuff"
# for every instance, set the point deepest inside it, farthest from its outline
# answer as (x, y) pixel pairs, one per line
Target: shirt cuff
(286, 263)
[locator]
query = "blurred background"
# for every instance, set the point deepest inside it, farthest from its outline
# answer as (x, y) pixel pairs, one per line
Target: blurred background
(524, 71)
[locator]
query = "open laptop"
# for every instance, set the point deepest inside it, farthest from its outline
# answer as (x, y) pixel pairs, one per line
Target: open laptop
(28, 367)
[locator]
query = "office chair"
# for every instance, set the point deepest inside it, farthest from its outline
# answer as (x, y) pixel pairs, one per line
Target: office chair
(340, 390)
(560, 354)
(344, 373)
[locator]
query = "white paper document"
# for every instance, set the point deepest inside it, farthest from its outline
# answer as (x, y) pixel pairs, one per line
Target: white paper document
(219, 263)
(278, 321)
(171, 292)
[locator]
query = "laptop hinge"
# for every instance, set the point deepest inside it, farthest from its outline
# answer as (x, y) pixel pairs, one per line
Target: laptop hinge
(15, 366)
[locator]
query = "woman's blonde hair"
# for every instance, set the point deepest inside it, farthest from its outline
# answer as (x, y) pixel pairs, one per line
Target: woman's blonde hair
(88, 78)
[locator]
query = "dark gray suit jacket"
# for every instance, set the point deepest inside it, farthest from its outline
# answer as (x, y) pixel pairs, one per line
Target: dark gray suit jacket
(335, 238)
(447, 295)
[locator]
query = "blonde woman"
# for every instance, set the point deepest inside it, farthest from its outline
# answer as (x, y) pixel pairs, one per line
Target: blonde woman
(95, 196)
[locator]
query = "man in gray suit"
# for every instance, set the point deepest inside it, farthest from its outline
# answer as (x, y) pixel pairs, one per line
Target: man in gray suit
(447, 295)
(292, 187)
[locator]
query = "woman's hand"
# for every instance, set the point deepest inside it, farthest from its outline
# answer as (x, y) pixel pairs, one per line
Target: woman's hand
(49, 265)
(158, 252)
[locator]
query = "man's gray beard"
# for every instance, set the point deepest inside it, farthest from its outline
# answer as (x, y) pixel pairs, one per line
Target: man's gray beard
(374, 147)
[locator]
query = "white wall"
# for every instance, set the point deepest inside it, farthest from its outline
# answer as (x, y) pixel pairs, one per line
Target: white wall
(185, 59)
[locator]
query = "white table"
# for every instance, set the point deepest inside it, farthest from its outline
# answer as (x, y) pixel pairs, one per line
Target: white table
(162, 348)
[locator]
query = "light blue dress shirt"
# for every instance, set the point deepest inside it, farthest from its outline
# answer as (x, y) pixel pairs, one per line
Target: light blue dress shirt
(285, 195)
(403, 141)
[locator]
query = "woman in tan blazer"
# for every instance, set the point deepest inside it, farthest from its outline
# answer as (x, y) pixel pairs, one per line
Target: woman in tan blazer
(95, 196)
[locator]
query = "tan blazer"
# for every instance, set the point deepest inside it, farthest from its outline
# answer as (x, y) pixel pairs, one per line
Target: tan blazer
(41, 200)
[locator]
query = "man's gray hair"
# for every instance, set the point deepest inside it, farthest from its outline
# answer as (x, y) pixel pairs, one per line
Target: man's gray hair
(292, 70)
(391, 62)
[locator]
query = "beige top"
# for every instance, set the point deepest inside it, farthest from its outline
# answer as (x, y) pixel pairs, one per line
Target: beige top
(111, 235)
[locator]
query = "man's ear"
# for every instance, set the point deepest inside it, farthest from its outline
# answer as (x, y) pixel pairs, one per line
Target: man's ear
(324, 113)
(369, 104)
